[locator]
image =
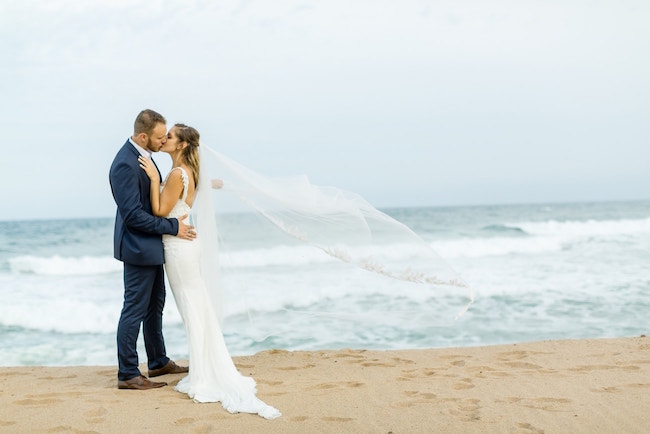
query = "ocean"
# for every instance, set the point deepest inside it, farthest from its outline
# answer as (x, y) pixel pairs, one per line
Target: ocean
(538, 272)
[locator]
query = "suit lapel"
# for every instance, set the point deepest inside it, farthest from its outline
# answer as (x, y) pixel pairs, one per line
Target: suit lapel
(159, 175)
(137, 154)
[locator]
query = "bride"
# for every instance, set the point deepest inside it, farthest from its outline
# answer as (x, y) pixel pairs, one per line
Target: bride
(212, 375)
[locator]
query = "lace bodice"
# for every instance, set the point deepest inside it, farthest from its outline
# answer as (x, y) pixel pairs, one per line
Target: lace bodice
(181, 207)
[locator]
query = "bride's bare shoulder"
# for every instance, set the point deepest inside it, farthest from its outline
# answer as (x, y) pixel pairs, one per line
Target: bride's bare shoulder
(186, 172)
(175, 176)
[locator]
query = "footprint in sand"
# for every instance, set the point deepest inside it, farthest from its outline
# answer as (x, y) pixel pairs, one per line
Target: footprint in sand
(294, 368)
(486, 371)
(49, 377)
(465, 383)
(37, 401)
(404, 378)
(269, 382)
(272, 384)
(469, 410)
(241, 365)
(616, 389)
(589, 368)
(456, 360)
(276, 351)
(351, 355)
(512, 355)
(412, 374)
(415, 397)
(378, 364)
(403, 361)
(523, 365)
(96, 415)
(517, 355)
(419, 395)
(611, 389)
(337, 419)
(510, 399)
(299, 418)
(530, 428)
(338, 385)
(184, 421)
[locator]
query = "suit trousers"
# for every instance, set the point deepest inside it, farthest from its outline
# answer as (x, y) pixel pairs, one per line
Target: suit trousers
(144, 300)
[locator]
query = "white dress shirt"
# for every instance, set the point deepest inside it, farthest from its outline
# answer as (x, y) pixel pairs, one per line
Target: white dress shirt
(144, 152)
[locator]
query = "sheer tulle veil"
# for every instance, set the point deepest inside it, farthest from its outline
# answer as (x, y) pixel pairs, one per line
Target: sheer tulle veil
(339, 223)
(206, 227)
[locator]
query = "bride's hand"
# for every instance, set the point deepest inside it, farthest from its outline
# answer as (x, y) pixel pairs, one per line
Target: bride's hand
(148, 166)
(217, 183)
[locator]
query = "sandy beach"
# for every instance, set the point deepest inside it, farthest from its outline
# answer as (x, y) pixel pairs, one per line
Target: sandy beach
(569, 386)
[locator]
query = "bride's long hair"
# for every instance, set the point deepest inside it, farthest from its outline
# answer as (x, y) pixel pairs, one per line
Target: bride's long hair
(191, 152)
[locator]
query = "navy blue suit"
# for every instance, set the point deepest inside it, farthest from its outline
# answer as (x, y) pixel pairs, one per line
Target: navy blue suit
(138, 244)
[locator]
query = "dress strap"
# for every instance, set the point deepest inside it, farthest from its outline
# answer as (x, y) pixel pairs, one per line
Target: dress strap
(186, 181)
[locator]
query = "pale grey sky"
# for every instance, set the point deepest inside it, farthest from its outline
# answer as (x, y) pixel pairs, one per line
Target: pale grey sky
(408, 102)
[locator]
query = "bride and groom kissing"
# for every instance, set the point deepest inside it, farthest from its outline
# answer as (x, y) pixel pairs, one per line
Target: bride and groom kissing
(151, 229)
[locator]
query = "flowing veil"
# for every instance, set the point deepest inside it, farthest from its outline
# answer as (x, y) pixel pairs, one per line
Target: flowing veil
(339, 223)
(206, 226)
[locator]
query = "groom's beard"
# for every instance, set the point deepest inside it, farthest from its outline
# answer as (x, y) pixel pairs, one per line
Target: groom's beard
(150, 145)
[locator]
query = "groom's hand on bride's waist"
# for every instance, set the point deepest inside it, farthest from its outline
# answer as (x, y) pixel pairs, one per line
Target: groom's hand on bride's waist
(185, 232)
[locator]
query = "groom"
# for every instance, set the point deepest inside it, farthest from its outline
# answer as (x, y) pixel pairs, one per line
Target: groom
(138, 244)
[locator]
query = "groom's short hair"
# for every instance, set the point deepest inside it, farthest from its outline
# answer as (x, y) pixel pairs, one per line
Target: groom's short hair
(147, 121)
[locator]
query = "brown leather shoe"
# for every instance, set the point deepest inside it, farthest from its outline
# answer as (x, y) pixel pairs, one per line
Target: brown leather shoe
(139, 383)
(169, 368)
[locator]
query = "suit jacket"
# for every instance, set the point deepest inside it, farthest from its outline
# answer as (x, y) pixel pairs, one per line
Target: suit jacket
(138, 233)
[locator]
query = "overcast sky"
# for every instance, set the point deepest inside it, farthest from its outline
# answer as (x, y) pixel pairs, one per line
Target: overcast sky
(407, 102)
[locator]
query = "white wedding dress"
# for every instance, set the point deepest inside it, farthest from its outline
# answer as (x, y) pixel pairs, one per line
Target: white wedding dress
(212, 375)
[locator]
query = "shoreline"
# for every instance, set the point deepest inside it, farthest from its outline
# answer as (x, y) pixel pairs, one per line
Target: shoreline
(583, 385)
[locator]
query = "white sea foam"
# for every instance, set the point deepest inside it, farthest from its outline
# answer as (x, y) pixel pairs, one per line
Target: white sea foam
(496, 246)
(296, 255)
(539, 237)
(61, 311)
(63, 316)
(64, 266)
(585, 228)
(542, 237)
